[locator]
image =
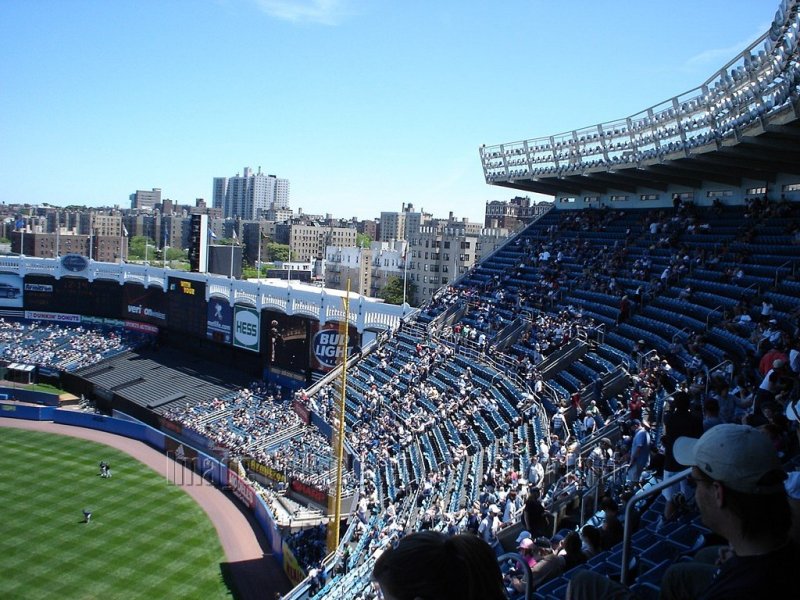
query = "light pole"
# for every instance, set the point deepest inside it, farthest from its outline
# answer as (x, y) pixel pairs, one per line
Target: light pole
(258, 260)
(405, 275)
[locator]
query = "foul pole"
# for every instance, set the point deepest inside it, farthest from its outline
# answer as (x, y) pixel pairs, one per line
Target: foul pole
(333, 529)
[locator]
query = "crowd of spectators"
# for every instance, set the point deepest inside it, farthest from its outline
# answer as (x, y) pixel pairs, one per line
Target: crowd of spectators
(728, 393)
(258, 423)
(62, 347)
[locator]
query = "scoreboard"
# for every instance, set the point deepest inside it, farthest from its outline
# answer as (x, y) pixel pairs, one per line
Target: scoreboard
(73, 295)
(187, 307)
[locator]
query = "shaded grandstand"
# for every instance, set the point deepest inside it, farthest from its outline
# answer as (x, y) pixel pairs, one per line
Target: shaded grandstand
(148, 382)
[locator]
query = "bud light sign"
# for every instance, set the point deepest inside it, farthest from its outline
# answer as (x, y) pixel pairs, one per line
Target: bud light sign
(246, 330)
(327, 348)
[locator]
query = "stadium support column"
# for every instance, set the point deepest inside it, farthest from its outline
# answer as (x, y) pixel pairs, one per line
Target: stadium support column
(338, 432)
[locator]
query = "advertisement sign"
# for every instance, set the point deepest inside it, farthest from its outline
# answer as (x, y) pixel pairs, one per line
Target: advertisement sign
(10, 291)
(169, 426)
(36, 315)
(326, 345)
(241, 489)
(102, 321)
(309, 491)
(148, 304)
(302, 411)
(291, 567)
(74, 263)
(141, 327)
(246, 328)
(219, 320)
(268, 472)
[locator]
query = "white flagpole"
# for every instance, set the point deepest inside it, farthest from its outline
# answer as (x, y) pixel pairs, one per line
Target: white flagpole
(405, 272)
(58, 236)
(91, 235)
(232, 245)
(259, 251)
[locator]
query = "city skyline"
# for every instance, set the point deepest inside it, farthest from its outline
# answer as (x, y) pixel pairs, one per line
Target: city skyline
(362, 106)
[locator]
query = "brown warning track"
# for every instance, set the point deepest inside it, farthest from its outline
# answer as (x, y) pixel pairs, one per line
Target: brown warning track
(250, 567)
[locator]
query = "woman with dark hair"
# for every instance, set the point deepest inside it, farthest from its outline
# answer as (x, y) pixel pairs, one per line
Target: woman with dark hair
(573, 552)
(431, 565)
(592, 541)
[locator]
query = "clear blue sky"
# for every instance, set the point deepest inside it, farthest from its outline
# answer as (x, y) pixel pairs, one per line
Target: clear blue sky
(362, 104)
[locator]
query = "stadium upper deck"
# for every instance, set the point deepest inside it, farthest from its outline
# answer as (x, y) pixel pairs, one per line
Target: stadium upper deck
(739, 125)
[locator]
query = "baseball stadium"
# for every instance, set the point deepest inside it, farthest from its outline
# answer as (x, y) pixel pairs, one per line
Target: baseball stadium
(281, 440)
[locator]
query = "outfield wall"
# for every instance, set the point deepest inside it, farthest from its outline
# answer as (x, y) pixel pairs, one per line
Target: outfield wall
(24, 411)
(103, 423)
(29, 396)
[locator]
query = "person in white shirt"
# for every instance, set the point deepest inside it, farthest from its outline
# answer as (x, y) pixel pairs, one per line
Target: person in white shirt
(794, 358)
(489, 526)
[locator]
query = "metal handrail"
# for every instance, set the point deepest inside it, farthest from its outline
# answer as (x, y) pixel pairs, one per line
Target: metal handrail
(719, 309)
(778, 269)
(629, 507)
(646, 356)
(600, 333)
(713, 370)
(684, 330)
(506, 556)
(599, 485)
(756, 286)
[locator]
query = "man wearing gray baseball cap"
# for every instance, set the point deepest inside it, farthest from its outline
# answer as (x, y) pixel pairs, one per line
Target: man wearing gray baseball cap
(740, 495)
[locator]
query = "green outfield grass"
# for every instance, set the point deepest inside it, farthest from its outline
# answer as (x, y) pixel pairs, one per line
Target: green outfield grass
(147, 539)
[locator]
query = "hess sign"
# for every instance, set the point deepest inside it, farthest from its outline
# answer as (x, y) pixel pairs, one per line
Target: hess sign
(246, 328)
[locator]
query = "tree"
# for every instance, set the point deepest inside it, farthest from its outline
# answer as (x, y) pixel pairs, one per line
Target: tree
(363, 240)
(279, 252)
(392, 292)
(249, 273)
(177, 254)
(136, 248)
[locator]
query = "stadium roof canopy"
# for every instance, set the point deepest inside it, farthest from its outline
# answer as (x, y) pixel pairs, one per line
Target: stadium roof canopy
(742, 123)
